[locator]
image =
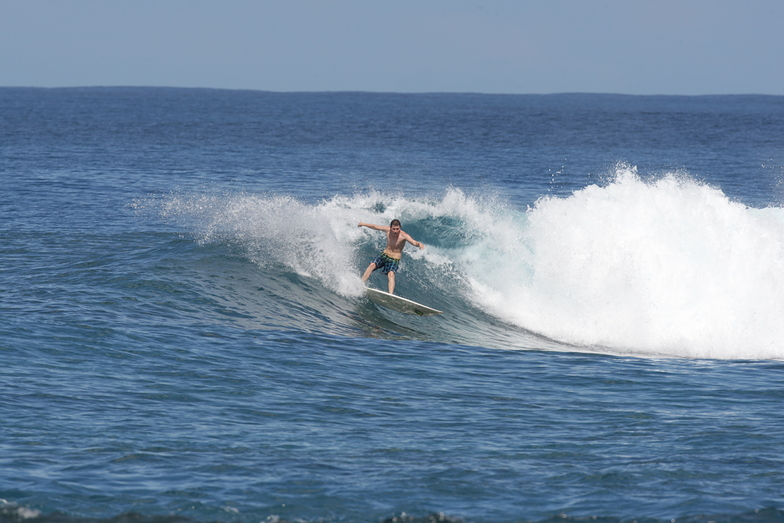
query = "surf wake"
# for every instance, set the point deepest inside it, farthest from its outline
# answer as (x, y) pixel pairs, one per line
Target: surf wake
(661, 267)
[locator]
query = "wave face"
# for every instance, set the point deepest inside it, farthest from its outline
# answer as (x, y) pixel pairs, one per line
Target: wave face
(662, 267)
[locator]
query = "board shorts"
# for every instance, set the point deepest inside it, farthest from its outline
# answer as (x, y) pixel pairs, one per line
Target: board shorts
(386, 263)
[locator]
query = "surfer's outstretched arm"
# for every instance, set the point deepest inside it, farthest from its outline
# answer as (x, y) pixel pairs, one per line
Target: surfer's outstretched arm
(373, 226)
(413, 242)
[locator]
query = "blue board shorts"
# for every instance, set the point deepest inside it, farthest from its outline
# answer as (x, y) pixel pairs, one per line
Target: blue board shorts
(386, 263)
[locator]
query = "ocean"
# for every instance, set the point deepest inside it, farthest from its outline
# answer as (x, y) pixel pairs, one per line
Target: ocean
(184, 335)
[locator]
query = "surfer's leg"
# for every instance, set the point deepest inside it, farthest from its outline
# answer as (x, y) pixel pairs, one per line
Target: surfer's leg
(369, 271)
(391, 276)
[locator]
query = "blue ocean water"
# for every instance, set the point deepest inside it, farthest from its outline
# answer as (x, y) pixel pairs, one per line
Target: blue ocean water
(184, 335)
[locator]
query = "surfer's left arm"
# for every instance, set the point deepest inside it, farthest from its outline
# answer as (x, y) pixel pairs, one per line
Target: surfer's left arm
(415, 243)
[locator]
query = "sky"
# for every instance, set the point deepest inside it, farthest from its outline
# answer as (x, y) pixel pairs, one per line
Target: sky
(686, 47)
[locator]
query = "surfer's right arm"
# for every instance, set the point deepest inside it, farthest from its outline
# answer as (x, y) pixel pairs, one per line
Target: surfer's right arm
(373, 226)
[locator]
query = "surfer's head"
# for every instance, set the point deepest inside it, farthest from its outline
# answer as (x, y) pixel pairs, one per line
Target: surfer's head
(395, 225)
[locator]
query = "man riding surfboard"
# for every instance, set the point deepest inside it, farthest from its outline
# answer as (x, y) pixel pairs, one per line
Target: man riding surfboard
(389, 260)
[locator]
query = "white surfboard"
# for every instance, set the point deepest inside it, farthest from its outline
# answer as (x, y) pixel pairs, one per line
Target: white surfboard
(390, 301)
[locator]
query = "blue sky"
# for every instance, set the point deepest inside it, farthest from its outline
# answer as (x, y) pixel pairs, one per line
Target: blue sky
(504, 46)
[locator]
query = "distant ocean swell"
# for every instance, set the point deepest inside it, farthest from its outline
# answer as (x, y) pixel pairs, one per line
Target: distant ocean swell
(659, 267)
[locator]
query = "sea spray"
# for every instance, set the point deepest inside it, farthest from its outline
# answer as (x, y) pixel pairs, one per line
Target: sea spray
(273, 231)
(319, 240)
(666, 267)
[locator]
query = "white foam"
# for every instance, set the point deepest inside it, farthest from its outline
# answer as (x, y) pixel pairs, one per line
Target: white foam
(311, 240)
(668, 267)
(319, 240)
(13, 509)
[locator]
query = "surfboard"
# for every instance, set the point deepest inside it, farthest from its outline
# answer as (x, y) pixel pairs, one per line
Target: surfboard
(390, 301)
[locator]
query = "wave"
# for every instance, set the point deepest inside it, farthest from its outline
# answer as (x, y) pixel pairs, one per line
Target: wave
(660, 267)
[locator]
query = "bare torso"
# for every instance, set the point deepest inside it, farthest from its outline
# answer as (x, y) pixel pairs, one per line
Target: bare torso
(396, 239)
(395, 244)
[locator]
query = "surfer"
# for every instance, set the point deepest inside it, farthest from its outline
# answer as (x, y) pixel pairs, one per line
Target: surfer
(389, 259)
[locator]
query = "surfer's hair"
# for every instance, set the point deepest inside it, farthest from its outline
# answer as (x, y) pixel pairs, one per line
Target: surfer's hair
(395, 222)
